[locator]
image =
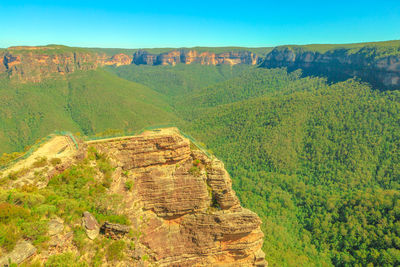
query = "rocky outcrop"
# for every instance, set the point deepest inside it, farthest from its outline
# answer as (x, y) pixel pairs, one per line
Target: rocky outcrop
(34, 64)
(22, 250)
(116, 60)
(114, 230)
(382, 71)
(192, 56)
(182, 202)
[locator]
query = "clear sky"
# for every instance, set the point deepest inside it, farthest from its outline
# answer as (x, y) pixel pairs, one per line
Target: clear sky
(134, 24)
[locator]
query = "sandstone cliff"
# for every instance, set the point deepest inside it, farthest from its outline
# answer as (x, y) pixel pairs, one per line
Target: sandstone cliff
(192, 56)
(179, 203)
(382, 71)
(33, 64)
(36, 63)
(190, 214)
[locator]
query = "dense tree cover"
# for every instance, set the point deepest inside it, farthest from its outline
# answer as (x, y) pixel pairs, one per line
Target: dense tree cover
(318, 162)
(86, 102)
(179, 79)
(371, 50)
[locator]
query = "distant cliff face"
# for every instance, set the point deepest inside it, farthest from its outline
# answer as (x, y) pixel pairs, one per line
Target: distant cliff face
(36, 63)
(339, 64)
(33, 64)
(192, 56)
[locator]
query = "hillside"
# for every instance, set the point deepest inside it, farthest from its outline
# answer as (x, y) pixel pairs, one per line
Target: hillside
(86, 102)
(180, 79)
(318, 162)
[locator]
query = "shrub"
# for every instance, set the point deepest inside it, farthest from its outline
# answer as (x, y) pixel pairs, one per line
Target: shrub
(9, 235)
(194, 171)
(40, 162)
(10, 212)
(64, 260)
(35, 230)
(129, 185)
(55, 161)
(115, 250)
(28, 199)
(79, 238)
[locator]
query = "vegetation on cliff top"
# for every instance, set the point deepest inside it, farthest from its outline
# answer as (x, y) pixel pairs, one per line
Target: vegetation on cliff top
(373, 50)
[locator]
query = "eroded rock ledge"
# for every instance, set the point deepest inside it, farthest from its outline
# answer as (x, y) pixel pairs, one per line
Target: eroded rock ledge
(183, 202)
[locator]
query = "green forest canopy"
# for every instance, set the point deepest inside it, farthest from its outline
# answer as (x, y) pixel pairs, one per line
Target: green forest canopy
(319, 162)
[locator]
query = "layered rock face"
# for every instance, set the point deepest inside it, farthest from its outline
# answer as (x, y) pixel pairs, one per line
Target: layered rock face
(182, 202)
(33, 64)
(338, 64)
(192, 56)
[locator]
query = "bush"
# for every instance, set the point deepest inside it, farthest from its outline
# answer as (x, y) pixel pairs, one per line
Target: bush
(196, 162)
(115, 250)
(129, 185)
(40, 162)
(55, 161)
(64, 260)
(9, 235)
(35, 230)
(79, 238)
(9, 212)
(194, 171)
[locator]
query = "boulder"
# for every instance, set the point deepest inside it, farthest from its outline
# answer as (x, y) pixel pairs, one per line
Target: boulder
(114, 230)
(91, 225)
(56, 226)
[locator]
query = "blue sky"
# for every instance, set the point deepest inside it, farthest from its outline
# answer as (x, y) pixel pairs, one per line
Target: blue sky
(134, 24)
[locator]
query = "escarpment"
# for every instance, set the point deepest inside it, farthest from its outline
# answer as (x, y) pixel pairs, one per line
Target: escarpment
(146, 200)
(377, 64)
(34, 64)
(193, 56)
(382, 71)
(191, 215)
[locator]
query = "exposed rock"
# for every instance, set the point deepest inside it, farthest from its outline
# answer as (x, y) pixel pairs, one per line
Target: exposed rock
(33, 64)
(338, 64)
(191, 215)
(118, 60)
(22, 251)
(91, 225)
(114, 230)
(56, 226)
(192, 56)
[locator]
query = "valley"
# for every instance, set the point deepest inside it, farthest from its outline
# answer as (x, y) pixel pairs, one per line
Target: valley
(309, 134)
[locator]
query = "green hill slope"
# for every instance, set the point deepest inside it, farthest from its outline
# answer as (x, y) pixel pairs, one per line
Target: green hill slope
(179, 79)
(319, 163)
(86, 102)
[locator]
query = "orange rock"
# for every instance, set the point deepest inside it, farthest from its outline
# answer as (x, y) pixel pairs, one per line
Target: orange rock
(190, 214)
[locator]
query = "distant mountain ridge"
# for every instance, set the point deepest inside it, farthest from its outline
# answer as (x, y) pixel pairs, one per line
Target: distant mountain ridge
(377, 63)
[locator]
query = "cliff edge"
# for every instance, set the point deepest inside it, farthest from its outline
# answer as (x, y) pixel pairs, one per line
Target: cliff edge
(178, 205)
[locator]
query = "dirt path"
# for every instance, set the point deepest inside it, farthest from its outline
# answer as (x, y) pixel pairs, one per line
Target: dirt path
(57, 147)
